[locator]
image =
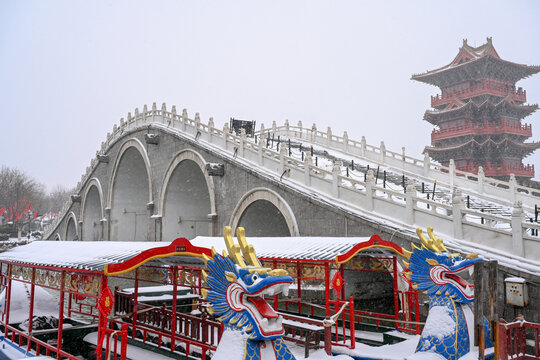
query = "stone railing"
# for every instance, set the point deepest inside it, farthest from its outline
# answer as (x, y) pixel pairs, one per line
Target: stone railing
(504, 192)
(398, 209)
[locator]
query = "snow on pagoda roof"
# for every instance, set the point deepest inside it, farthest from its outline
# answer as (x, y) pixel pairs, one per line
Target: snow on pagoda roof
(524, 110)
(526, 148)
(469, 55)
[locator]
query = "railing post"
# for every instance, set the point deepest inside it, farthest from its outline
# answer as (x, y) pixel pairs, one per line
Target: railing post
(313, 133)
(329, 137)
(457, 205)
(242, 141)
(410, 194)
(225, 135)
(282, 160)
(184, 119)
(481, 179)
(363, 146)
(517, 230)
(345, 142)
(512, 183)
(211, 127)
(383, 152)
(427, 164)
(328, 338)
(123, 346)
(503, 342)
(451, 173)
(308, 163)
(370, 183)
(260, 150)
(336, 172)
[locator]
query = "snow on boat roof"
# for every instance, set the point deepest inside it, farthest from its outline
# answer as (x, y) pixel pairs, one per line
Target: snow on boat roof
(307, 248)
(88, 255)
(96, 255)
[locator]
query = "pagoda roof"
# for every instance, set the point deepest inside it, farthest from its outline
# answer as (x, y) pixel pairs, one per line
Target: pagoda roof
(489, 146)
(484, 55)
(459, 108)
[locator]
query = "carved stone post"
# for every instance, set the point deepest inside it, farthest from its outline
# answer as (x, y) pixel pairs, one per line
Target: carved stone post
(345, 142)
(383, 152)
(517, 230)
(308, 162)
(370, 183)
(512, 183)
(451, 172)
(225, 135)
(336, 171)
(329, 136)
(363, 146)
(427, 164)
(262, 143)
(410, 194)
(481, 179)
(457, 206)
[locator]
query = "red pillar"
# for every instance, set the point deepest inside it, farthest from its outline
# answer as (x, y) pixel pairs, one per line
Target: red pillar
(135, 304)
(60, 316)
(299, 282)
(8, 299)
(396, 300)
(327, 288)
(174, 270)
(31, 314)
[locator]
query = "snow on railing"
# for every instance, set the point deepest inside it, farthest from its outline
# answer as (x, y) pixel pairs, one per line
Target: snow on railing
(404, 208)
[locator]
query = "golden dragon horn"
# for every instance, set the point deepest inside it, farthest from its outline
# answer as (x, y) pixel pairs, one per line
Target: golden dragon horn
(248, 250)
(234, 249)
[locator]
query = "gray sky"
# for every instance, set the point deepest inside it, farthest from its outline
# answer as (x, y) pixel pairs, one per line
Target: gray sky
(70, 70)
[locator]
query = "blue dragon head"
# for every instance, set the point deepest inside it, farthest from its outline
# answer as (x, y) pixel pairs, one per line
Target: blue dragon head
(237, 285)
(435, 270)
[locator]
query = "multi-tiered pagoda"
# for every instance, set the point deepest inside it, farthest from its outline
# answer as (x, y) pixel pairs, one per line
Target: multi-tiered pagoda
(478, 115)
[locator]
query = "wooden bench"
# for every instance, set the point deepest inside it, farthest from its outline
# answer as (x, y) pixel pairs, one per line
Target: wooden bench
(303, 330)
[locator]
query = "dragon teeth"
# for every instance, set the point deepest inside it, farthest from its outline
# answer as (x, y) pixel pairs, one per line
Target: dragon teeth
(285, 290)
(471, 270)
(279, 320)
(264, 323)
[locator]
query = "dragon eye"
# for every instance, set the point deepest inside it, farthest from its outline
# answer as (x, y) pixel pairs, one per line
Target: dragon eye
(453, 260)
(254, 277)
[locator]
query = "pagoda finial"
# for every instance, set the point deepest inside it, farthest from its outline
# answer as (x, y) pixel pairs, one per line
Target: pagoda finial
(489, 39)
(464, 42)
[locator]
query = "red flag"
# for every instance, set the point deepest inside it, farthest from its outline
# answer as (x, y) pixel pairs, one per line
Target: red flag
(2, 210)
(35, 215)
(26, 208)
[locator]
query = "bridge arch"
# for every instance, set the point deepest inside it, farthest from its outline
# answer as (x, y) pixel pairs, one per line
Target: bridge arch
(130, 192)
(72, 229)
(187, 197)
(92, 211)
(254, 212)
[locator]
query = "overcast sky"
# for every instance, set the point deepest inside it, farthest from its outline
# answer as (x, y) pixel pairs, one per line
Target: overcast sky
(69, 70)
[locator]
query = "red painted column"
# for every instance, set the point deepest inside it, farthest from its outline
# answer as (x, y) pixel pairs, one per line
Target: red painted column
(299, 282)
(351, 320)
(174, 270)
(8, 299)
(327, 288)
(135, 304)
(31, 313)
(60, 316)
(396, 300)
(276, 303)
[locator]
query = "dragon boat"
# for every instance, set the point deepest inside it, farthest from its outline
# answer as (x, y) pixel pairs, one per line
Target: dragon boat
(218, 299)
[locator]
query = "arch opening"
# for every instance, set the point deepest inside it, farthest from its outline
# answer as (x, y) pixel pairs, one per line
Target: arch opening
(262, 218)
(92, 215)
(186, 203)
(130, 194)
(71, 230)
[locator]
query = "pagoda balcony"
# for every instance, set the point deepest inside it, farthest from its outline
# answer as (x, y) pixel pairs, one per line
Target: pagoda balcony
(470, 128)
(501, 169)
(487, 87)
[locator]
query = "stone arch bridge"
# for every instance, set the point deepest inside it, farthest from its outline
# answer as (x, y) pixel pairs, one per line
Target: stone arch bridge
(161, 175)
